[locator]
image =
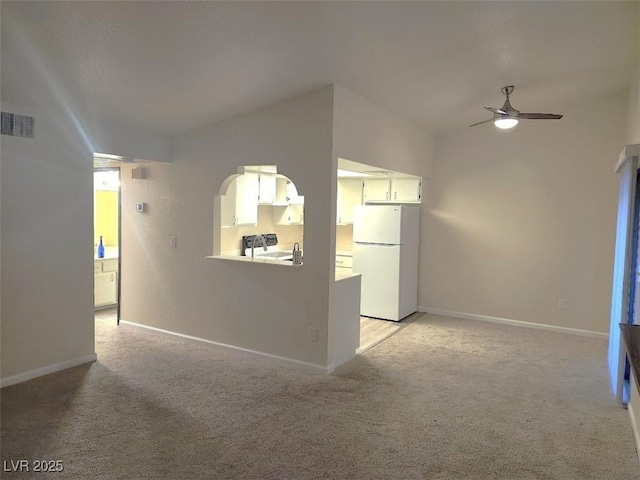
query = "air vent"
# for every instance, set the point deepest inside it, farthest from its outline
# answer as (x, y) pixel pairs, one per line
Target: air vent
(16, 125)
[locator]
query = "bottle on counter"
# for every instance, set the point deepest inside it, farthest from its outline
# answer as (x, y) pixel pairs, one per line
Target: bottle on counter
(100, 248)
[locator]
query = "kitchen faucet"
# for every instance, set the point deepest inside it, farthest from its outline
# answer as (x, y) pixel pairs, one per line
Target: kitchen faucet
(253, 243)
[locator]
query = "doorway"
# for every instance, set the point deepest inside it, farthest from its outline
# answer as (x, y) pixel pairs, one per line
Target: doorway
(106, 240)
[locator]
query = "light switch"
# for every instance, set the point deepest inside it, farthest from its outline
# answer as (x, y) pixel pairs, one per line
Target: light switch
(141, 207)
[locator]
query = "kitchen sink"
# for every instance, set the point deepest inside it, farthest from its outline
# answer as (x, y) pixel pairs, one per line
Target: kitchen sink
(276, 255)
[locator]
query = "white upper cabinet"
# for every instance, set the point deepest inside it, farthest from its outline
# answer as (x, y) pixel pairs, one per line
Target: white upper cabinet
(267, 189)
(349, 195)
(288, 214)
(292, 194)
(377, 190)
(287, 193)
(296, 212)
(394, 190)
(288, 208)
(406, 190)
(240, 205)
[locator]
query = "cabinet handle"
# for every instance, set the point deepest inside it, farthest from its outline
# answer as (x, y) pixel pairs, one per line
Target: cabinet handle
(395, 195)
(112, 279)
(300, 218)
(386, 196)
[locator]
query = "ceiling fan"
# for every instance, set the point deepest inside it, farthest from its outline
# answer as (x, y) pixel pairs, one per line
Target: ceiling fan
(507, 117)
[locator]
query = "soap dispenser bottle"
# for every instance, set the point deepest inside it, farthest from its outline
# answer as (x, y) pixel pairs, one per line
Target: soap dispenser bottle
(100, 248)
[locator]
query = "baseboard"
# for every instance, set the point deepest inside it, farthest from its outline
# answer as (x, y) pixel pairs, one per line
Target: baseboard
(515, 323)
(634, 425)
(285, 360)
(39, 372)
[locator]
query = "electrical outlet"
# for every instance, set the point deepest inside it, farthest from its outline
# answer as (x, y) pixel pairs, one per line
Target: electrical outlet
(312, 334)
(173, 242)
(562, 303)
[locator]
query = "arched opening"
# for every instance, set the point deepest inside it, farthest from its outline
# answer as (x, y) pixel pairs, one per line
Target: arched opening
(258, 201)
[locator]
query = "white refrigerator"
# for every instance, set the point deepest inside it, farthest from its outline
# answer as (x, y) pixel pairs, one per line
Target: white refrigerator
(385, 252)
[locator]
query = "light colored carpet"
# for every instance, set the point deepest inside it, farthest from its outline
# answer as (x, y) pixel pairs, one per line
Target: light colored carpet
(441, 399)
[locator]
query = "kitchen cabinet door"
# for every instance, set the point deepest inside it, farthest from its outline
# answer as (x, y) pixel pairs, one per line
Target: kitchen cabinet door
(240, 205)
(287, 193)
(281, 191)
(349, 195)
(288, 214)
(344, 261)
(266, 189)
(105, 289)
(296, 212)
(292, 194)
(377, 190)
(406, 190)
(110, 265)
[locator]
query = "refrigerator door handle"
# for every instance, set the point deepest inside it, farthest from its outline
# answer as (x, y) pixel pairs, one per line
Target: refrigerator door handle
(378, 244)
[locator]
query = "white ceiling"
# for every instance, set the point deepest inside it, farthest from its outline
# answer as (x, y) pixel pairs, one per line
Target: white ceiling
(172, 66)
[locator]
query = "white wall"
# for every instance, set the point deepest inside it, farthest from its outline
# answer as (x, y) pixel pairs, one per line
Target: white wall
(366, 133)
(47, 248)
(522, 218)
(258, 307)
(633, 123)
(47, 215)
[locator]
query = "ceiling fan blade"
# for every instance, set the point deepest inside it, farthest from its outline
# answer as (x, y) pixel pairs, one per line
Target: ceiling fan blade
(496, 110)
(480, 123)
(540, 116)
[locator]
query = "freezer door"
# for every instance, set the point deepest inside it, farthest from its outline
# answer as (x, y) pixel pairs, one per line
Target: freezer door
(377, 224)
(380, 269)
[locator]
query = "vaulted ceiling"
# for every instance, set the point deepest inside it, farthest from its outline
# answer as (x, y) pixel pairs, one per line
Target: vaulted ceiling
(168, 67)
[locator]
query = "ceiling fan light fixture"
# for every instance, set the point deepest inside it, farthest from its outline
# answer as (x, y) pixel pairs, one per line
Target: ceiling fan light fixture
(505, 123)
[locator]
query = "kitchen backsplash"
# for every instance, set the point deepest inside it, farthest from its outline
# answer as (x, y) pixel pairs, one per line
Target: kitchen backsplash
(231, 237)
(288, 235)
(344, 237)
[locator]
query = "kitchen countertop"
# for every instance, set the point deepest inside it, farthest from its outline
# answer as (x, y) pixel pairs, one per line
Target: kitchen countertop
(346, 275)
(631, 336)
(261, 260)
(106, 257)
